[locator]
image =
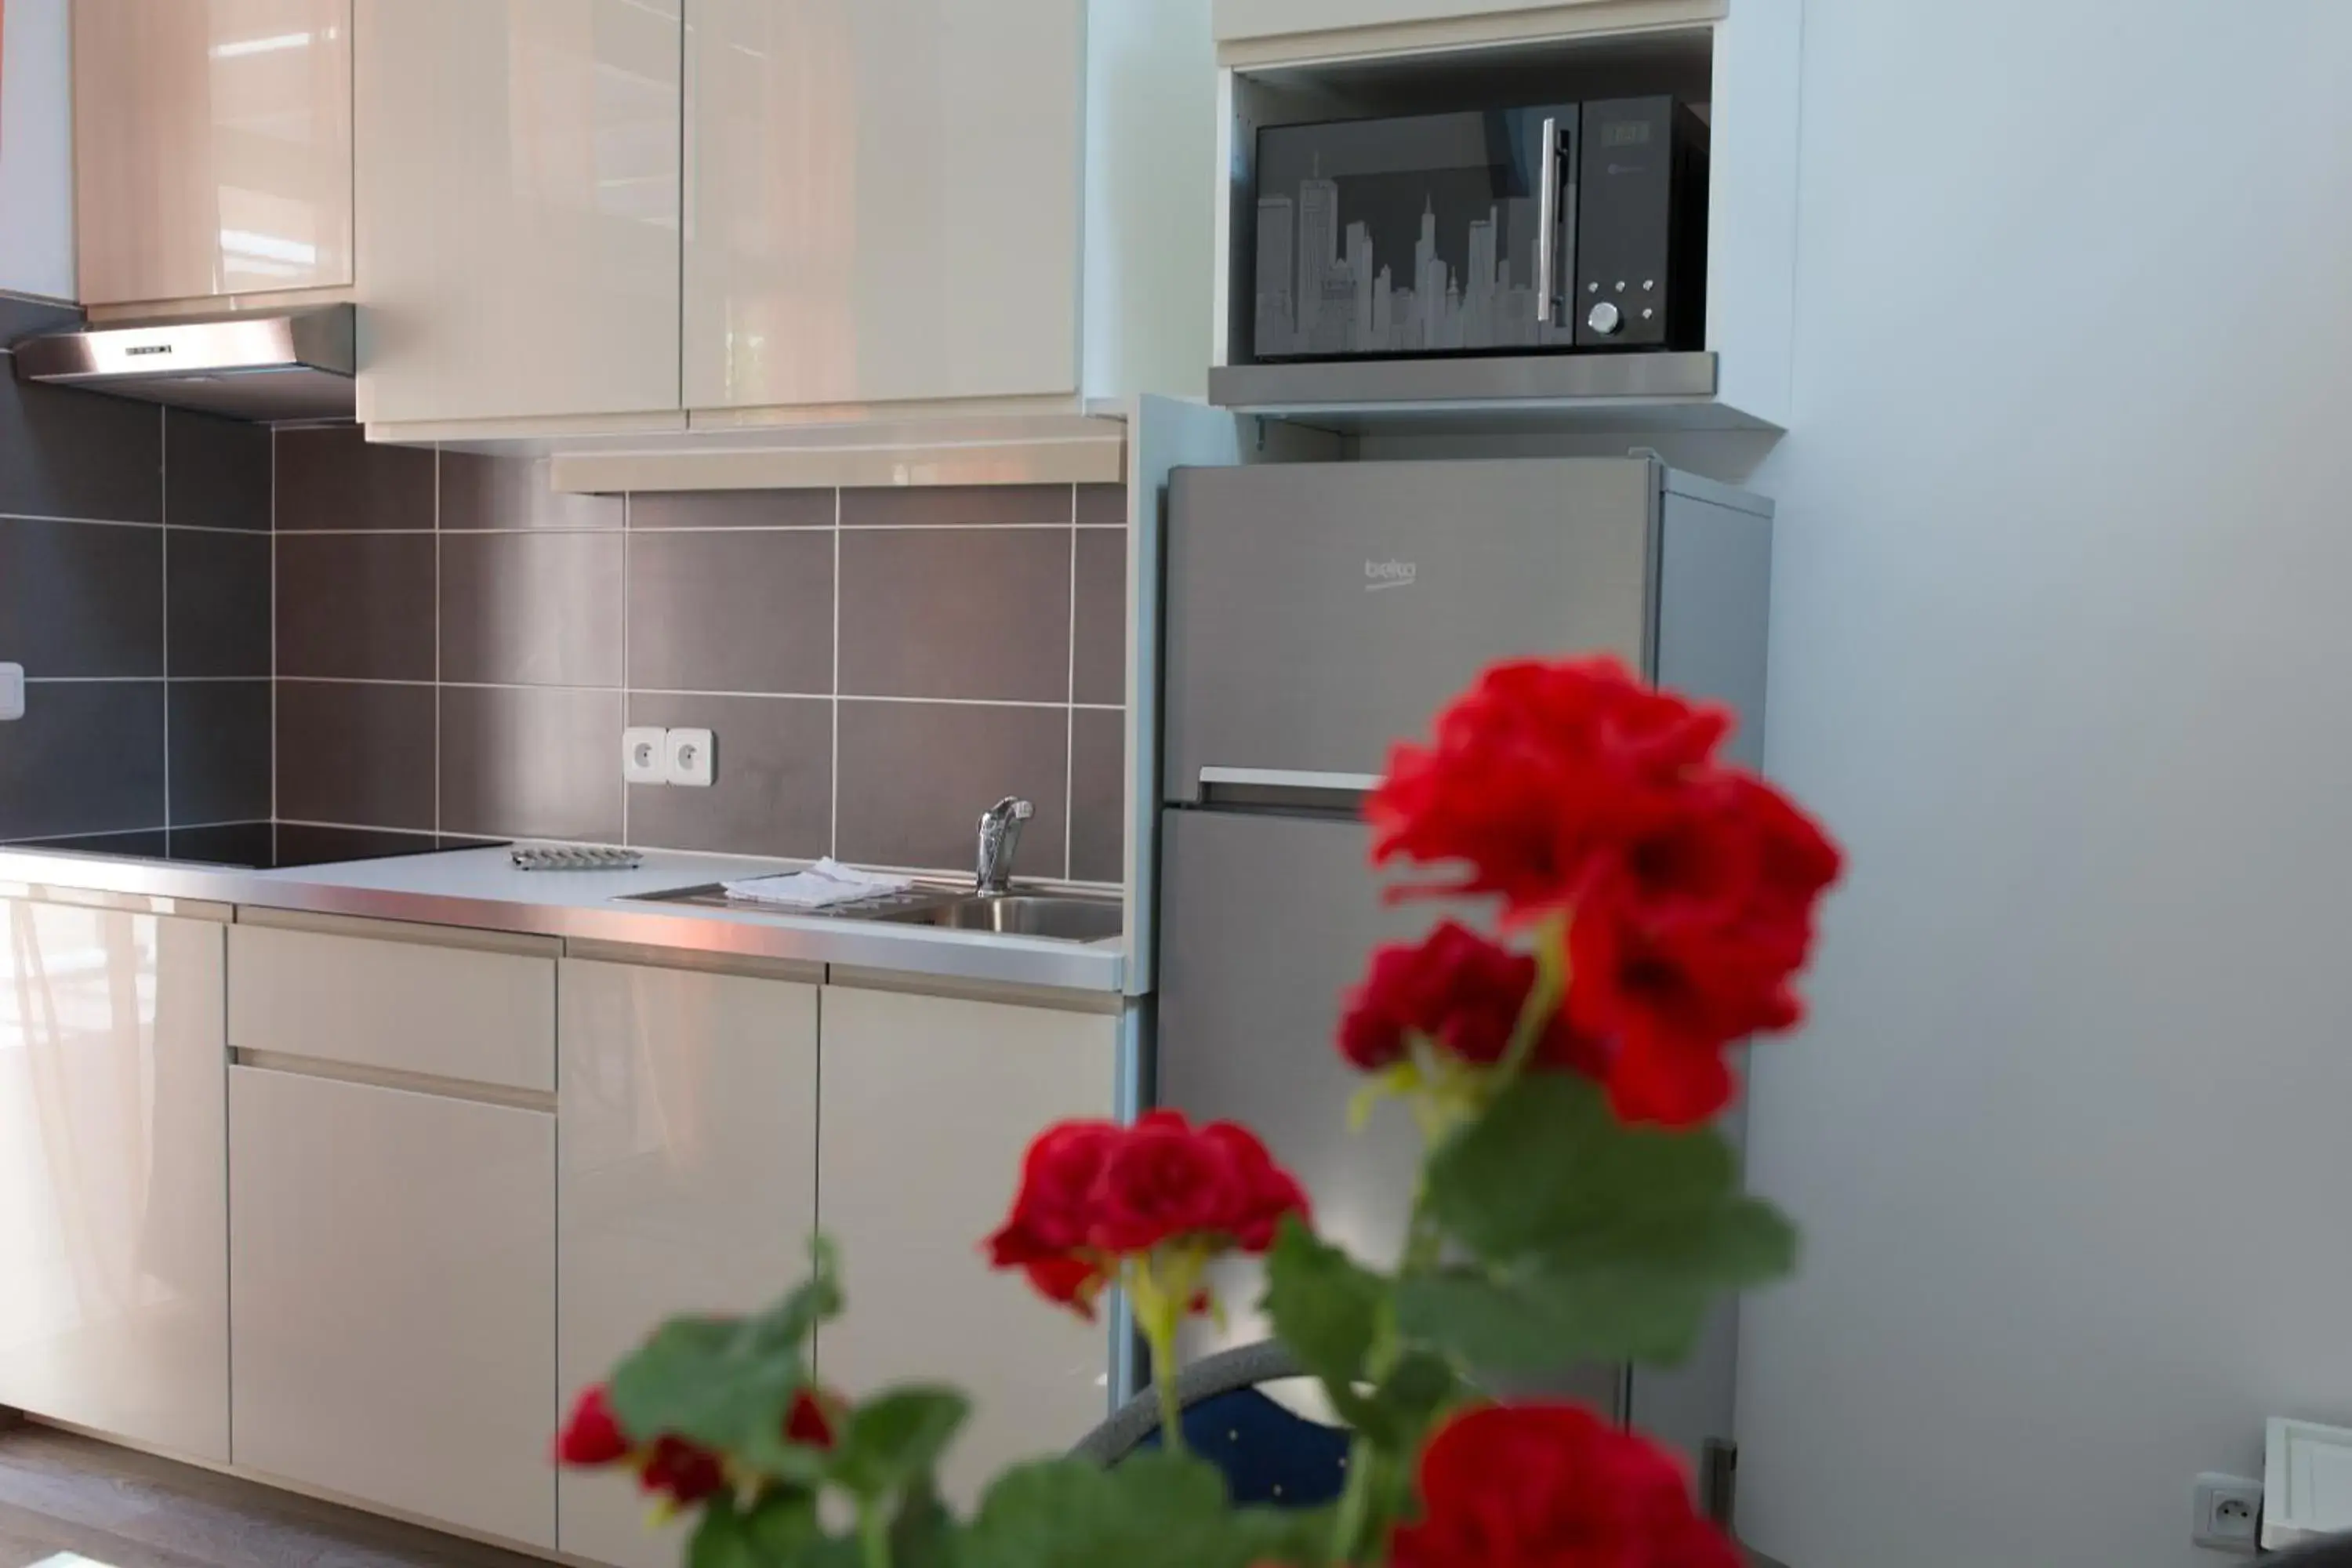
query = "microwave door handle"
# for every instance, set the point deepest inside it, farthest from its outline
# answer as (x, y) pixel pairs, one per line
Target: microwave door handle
(1548, 228)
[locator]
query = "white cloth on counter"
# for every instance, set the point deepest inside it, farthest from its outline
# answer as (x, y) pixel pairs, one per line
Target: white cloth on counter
(822, 886)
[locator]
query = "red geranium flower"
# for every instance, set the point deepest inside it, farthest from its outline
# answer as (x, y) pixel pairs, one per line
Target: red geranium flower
(1460, 991)
(1538, 769)
(592, 1437)
(1550, 1486)
(686, 1473)
(1093, 1193)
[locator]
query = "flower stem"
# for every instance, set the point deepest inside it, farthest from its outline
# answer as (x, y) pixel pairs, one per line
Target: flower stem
(1162, 1286)
(1543, 998)
(873, 1533)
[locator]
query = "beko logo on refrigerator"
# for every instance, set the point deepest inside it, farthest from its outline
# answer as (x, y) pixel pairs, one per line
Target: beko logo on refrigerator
(1380, 574)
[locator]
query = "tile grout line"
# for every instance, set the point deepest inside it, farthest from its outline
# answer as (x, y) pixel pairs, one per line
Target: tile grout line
(273, 645)
(1070, 707)
(833, 785)
(163, 512)
(617, 690)
(436, 640)
(628, 501)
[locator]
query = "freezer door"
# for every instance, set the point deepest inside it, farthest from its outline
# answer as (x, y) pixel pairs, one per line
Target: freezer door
(1316, 612)
(1266, 921)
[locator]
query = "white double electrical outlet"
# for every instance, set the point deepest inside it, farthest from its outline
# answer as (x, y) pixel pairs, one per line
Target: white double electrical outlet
(687, 757)
(12, 692)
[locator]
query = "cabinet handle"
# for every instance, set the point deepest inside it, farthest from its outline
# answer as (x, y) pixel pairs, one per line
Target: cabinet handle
(1548, 228)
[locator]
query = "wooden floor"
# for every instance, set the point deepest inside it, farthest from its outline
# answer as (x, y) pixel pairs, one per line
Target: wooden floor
(69, 1502)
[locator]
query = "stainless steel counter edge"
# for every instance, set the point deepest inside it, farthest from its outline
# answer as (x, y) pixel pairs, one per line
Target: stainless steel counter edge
(906, 950)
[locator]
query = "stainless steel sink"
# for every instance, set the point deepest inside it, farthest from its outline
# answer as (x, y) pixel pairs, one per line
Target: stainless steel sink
(1066, 918)
(1063, 917)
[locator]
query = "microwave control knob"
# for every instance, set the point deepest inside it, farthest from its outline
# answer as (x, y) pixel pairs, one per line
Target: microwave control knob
(1606, 318)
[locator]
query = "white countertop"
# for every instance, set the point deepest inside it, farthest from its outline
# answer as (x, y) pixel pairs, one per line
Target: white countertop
(483, 890)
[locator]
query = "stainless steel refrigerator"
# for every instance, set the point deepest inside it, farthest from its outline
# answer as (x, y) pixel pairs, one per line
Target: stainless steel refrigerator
(1314, 613)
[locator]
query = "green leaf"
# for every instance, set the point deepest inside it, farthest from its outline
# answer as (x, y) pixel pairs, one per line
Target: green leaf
(1409, 1399)
(923, 1534)
(729, 1382)
(1596, 1239)
(1325, 1305)
(1154, 1511)
(780, 1531)
(1295, 1537)
(1640, 1297)
(897, 1437)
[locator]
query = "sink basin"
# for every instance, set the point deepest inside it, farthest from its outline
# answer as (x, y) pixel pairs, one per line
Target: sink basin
(1020, 914)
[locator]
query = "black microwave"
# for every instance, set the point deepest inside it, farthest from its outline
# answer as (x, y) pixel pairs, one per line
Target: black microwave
(1558, 227)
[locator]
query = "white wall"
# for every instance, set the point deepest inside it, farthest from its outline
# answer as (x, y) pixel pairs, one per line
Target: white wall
(36, 253)
(2062, 647)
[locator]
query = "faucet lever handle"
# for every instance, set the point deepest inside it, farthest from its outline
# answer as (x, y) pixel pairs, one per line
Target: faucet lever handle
(1013, 809)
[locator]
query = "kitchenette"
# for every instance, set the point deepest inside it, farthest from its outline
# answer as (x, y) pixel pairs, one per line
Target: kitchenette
(629, 631)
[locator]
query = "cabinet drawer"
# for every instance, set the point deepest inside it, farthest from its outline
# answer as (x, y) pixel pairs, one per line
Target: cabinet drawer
(408, 1006)
(392, 1293)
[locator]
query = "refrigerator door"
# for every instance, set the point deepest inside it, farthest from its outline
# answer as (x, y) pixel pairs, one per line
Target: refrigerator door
(1267, 922)
(1316, 612)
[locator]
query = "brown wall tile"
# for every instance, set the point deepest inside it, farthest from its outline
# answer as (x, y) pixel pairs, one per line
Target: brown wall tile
(915, 777)
(81, 598)
(731, 612)
(355, 755)
(955, 506)
(1102, 506)
(218, 586)
(965, 612)
(1097, 795)
(534, 609)
(732, 509)
(87, 757)
(538, 763)
(1099, 619)
(216, 473)
(333, 478)
(479, 491)
(220, 751)
(355, 606)
(77, 454)
(772, 793)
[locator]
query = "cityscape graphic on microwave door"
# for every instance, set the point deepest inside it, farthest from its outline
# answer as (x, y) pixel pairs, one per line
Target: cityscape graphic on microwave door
(1335, 275)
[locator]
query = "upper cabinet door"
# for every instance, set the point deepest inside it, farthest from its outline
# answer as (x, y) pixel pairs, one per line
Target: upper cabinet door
(519, 207)
(213, 147)
(884, 200)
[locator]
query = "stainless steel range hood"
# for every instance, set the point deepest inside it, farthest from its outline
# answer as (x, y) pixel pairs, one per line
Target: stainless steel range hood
(279, 366)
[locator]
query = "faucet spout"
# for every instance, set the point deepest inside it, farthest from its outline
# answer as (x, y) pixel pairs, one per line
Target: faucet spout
(1000, 837)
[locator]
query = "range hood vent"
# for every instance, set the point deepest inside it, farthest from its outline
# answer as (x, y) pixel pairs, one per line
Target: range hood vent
(275, 366)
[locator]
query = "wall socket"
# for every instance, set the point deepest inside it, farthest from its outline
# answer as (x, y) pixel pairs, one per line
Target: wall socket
(645, 756)
(2227, 1513)
(693, 757)
(687, 757)
(12, 692)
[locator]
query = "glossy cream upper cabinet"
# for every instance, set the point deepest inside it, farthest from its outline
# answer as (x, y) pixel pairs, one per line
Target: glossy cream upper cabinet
(686, 1183)
(884, 200)
(114, 1200)
(518, 208)
(927, 1104)
(213, 147)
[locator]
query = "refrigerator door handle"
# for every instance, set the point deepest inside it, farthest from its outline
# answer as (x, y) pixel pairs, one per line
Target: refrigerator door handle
(1279, 780)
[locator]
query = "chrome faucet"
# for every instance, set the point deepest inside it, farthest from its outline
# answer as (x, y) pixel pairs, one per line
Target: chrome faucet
(999, 836)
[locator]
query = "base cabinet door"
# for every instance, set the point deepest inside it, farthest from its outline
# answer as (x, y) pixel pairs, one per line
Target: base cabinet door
(392, 1298)
(927, 1105)
(113, 1199)
(688, 1106)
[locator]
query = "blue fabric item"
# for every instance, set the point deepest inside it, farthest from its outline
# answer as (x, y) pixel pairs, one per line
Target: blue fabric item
(1268, 1453)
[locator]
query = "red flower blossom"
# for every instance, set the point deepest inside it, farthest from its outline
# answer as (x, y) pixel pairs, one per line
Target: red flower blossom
(1537, 770)
(686, 1473)
(1463, 992)
(1689, 888)
(1092, 1194)
(1550, 1486)
(592, 1437)
(810, 1420)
